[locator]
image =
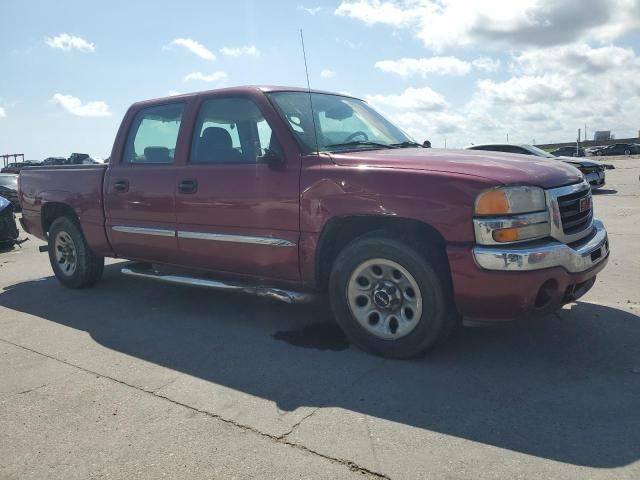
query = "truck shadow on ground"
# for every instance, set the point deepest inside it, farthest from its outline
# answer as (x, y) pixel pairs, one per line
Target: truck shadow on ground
(562, 387)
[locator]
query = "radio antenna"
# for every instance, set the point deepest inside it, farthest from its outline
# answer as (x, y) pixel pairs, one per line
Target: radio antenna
(313, 115)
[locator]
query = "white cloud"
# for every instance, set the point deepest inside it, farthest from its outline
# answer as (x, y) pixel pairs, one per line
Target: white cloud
(173, 93)
(74, 106)
(349, 43)
(486, 64)
(552, 92)
(327, 73)
(309, 10)
(3, 113)
(238, 51)
(194, 47)
(425, 66)
(574, 58)
(528, 89)
(517, 23)
(211, 77)
(420, 99)
(68, 42)
(371, 12)
(406, 67)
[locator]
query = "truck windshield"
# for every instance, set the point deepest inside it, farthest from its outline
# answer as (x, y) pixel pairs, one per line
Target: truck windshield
(342, 123)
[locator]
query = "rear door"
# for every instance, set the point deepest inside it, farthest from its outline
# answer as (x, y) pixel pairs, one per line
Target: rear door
(140, 187)
(235, 213)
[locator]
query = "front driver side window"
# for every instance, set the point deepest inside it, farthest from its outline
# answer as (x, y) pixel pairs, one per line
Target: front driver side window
(231, 131)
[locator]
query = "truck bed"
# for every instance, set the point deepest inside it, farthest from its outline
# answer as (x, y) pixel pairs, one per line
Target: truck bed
(42, 189)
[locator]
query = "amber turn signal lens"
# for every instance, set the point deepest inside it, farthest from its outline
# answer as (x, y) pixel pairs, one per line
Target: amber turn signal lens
(506, 235)
(493, 202)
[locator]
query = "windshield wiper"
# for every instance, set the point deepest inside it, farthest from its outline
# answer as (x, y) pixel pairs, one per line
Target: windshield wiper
(406, 144)
(360, 143)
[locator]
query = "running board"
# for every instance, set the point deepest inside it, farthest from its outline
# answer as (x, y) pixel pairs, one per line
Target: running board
(142, 270)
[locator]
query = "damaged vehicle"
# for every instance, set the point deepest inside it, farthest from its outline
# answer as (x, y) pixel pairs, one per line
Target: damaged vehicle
(9, 189)
(294, 194)
(8, 228)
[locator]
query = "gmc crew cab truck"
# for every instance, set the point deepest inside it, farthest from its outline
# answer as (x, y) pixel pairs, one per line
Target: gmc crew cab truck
(287, 193)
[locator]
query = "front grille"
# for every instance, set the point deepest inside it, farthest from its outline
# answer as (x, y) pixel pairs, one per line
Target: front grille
(574, 219)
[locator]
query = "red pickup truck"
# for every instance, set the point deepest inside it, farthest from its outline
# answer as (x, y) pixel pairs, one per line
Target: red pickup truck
(288, 193)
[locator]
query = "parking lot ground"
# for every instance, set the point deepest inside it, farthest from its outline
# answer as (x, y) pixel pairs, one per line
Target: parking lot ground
(136, 378)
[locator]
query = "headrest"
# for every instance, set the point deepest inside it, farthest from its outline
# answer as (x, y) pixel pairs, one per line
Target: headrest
(217, 137)
(157, 155)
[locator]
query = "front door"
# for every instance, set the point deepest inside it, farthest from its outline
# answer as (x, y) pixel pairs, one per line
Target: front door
(234, 212)
(140, 187)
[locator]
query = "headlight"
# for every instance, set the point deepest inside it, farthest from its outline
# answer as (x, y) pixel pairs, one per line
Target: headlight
(510, 215)
(510, 200)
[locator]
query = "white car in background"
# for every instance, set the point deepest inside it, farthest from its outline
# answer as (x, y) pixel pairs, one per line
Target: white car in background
(592, 170)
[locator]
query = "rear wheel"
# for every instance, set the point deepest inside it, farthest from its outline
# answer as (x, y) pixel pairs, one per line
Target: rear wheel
(390, 299)
(73, 262)
(627, 152)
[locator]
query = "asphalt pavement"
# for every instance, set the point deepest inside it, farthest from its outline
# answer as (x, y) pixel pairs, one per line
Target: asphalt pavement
(140, 379)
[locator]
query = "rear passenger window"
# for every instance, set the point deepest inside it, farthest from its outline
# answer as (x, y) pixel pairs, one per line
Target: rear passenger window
(231, 130)
(154, 135)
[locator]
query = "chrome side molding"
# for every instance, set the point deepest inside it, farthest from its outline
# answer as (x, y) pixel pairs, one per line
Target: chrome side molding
(288, 296)
(223, 237)
(215, 237)
(158, 232)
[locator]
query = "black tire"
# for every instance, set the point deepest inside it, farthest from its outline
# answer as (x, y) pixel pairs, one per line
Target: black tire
(627, 152)
(599, 154)
(88, 266)
(429, 269)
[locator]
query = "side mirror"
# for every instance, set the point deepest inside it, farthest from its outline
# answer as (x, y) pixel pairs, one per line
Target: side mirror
(426, 144)
(271, 158)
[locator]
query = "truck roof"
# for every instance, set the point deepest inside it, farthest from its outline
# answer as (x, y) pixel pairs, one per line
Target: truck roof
(240, 90)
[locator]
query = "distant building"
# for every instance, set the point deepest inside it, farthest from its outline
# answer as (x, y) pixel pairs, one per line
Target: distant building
(602, 135)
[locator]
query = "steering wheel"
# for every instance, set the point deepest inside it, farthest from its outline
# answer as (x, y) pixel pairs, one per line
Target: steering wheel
(359, 133)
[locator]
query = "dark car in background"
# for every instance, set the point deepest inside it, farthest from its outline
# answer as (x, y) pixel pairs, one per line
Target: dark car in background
(9, 189)
(618, 149)
(568, 151)
(15, 167)
(54, 161)
(592, 170)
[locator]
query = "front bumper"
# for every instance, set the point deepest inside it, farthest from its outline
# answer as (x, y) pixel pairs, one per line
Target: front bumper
(501, 283)
(581, 256)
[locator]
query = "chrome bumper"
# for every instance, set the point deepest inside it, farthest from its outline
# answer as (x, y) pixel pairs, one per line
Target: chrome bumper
(580, 257)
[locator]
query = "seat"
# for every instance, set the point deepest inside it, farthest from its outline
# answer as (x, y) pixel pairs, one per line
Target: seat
(215, 146)
(157, 155)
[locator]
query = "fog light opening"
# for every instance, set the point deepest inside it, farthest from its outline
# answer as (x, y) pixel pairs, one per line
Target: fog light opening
(546, 294)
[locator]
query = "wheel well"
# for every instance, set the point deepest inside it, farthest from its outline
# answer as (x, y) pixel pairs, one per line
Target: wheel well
(53, 210)
(339, 232)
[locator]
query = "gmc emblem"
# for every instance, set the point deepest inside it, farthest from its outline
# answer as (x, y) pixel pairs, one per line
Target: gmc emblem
(585, 204)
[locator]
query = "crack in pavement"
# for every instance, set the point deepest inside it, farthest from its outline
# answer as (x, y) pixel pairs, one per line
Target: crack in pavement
(29, 390)
(352, 466)
(353, 384)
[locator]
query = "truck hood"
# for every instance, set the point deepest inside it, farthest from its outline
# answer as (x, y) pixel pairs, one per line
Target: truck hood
(503, 168)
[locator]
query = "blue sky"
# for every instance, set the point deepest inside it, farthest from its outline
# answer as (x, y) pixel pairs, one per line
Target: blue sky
(444, 69)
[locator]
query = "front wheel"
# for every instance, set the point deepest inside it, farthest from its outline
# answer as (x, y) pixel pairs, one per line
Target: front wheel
(390, 299)
(73, 262)
(627, 152)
